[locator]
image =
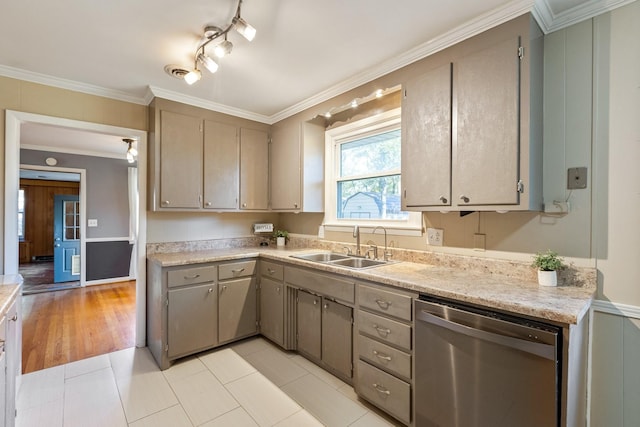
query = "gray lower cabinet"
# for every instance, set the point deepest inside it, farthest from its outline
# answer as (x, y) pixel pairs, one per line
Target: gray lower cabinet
(237, 309)
(309, 323)
(272, 309)
(192, 319)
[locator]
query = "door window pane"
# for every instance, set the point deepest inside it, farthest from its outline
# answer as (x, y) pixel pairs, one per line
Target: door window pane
(71, 220)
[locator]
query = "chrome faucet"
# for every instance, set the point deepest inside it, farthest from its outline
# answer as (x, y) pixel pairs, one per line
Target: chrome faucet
(386, 253)
(356, 234)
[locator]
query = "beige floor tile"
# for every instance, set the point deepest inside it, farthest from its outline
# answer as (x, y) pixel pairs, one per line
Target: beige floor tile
(170, 417)
(145, 394)
(371, 419)
(203, 397)
(132, 361)
(250, 345)
(227, 365)
(316, 370)
(86, 365)
(274, 365)
(92, 400)
(348, 391)
(265, 402)
(300, 419)
(184, 368)
(324, 402)
(48, 414)
(236, 418)
(41, 387)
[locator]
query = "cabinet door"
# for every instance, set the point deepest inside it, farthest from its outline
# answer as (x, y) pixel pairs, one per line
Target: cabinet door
(285, 168)
(254, 169)
(309, 323)
(221, 166)
(337, 337)
(237, 307)
(486, 153)
(426, 140)
(180, 161)
(192, 319)
(272, 310)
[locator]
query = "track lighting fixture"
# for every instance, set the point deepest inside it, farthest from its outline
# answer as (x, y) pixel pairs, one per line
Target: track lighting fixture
(223, 48)
(131, 151)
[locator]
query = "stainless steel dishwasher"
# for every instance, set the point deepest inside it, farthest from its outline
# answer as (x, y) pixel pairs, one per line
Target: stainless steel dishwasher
(475, 367)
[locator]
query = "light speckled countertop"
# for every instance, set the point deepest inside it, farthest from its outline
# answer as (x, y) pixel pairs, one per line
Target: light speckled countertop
(9, 290)
(563, 304)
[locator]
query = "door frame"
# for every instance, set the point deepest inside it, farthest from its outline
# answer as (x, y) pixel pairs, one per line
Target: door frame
(82, 194)
(13, 121)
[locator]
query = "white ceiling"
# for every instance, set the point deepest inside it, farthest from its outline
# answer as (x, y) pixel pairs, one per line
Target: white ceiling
(305, 51)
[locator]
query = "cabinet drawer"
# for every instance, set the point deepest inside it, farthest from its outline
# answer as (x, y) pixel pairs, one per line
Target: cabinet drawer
(386, 302)
(385, 391)
(236, 269)
(191, 276)
(330, 286)
(384, 329)
(385, 357)
(274, 271)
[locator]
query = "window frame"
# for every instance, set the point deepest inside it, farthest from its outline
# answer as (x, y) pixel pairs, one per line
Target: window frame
(380, 123)
(21, 212)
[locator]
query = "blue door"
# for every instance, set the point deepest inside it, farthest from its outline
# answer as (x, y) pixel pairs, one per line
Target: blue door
(66, 238)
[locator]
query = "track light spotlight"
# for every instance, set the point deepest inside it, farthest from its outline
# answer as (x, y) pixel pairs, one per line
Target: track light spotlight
(192, 76)
(207, 62)
(223, 49)
(242, 27)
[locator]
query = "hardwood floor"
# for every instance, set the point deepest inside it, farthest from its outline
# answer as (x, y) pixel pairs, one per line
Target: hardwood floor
(65, 326)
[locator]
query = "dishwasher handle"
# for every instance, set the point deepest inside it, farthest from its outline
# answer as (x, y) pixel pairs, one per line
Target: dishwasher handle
(543, 350)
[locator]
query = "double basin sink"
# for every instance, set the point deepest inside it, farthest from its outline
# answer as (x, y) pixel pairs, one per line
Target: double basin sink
(342, 260)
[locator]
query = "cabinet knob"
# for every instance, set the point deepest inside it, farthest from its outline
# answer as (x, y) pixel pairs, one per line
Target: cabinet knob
(326, 306)
(315, 302)
(165, 203)
(244, 205)
(224, 288)
(443, 199)
(210, 290)
(295, 205)
(278, 289)
(271, 271)
(464, 198)
(14, 318)
(208, 204)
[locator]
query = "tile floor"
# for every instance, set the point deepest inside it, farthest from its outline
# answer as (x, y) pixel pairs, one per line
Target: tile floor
(250, 383)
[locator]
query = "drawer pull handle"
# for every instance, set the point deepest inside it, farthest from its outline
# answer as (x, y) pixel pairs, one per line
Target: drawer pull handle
(382, 356)
(195, 276)
(382, 331)
(383, 304)
(380, 389)
(237, 271)
(271, 271)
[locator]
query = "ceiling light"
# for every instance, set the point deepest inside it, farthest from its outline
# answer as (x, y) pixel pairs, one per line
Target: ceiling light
(379, 93)
(131, 151)
(242, 27)
(212, 33)
(223, 49)
(192, 76)
(207, 63)
(354, 104)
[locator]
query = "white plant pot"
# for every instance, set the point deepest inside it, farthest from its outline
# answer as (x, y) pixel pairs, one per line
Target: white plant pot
(547, 278)
(280, 242)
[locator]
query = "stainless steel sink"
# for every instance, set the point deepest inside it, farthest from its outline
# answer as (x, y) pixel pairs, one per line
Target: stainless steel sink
(342, 260)
(322, 257)
(359, 262)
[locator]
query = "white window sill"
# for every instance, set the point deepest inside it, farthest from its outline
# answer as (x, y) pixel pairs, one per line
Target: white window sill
(392, 230)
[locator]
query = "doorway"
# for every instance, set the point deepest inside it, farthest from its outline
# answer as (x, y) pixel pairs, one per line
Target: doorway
(13, 123)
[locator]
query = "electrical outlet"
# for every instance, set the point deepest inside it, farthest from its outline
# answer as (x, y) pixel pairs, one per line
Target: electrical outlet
(435, 236)
(92, 223)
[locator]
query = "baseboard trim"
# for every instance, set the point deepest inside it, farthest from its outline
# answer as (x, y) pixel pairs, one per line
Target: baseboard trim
(107, 281)
(618, 309)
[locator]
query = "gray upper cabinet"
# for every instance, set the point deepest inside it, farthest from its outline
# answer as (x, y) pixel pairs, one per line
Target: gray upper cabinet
(297, 167)
(221, 166)
(472, 128)
(254, 169)
(426, 135)
(180, 160)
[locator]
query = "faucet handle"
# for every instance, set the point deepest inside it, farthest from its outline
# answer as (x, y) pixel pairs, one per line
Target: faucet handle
(347, 250)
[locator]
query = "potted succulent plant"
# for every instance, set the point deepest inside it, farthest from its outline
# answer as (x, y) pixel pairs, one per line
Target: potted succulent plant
(281, 237)
(548, 263)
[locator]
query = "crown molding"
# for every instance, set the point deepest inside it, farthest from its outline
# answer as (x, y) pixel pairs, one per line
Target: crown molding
(155, 91)
(550, 22)
(30, 76)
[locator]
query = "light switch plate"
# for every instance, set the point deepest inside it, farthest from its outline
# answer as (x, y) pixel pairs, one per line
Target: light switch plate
(576, 178)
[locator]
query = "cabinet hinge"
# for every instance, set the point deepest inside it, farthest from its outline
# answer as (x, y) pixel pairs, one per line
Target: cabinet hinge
(166, 348)
(405, 93)
(167, 302)
(521, 52)
(520, 186)
(201, 127)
